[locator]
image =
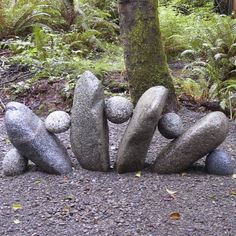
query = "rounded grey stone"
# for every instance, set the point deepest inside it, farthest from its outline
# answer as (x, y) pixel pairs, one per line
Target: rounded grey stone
(220, 162)
(118, 109)
(13, 163)
(57, 122)
(171, 126)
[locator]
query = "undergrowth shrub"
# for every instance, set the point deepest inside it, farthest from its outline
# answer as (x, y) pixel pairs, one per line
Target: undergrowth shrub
(214, 69)
(20, 17)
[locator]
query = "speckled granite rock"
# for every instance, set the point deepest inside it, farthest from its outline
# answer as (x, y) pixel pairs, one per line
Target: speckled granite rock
(29, 136)
(220, 162)
(13, 163)
(89, 129)
(138, 135)
(57, 122)
(203, 137)
(171, 126)
(118, 109)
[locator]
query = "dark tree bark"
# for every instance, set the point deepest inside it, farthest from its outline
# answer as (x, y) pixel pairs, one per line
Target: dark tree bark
(145, 59)
(224, 6)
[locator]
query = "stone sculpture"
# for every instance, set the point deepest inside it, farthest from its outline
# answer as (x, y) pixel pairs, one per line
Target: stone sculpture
(33, 140)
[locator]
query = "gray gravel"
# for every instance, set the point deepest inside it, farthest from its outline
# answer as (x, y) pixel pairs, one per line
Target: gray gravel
(93, 203)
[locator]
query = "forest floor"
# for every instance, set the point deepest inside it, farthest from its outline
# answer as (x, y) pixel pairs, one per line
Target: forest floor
(94, 203)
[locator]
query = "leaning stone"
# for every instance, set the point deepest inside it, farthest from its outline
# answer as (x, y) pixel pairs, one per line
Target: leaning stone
(13, 163)
(138, 135)
(28, 134)
(202, 138)
(219, 162)
(170, 126)
(57, 122)
(118, 109)
(89, 129)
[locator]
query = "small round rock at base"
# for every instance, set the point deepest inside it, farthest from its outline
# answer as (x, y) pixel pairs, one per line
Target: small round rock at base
(13, 163)
(58, 122)
(170, 126)
(118, 109)
(219, 162)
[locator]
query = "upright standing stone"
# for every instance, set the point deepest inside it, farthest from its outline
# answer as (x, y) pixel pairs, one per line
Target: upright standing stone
(202, 138)
(138, 135)
(28, 134)
(89, 129)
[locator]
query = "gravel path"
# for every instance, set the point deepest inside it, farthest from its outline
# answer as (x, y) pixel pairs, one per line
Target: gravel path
(92, 203)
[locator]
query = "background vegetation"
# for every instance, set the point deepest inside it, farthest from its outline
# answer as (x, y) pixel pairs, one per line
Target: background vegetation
(58, 40)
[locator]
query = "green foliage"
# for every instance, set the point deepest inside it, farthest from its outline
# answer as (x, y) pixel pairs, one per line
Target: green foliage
(175, 30)
(187, 7)
(60, 40)
(19, 19)
(51, 56)
(216, 61)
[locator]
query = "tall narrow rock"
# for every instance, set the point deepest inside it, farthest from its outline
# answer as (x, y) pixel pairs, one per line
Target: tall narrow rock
(138, 135)
(202, 138)
(28, 134)
(89, 129)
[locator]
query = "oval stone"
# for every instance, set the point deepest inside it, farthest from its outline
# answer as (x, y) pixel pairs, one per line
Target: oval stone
(138, 135)
(29, 136)
(203, 137)
(89, 129)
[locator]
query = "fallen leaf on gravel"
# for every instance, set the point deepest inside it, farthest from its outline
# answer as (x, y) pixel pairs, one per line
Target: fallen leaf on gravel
(66, 209)
(213, 197)
(38, 181)
(171, 193)
(7, 141)
(232, 193)
(16, 206)
(175, 216)
(66, 178)
(16, 221)
(69, 198)
(234, 176)
(138, 174)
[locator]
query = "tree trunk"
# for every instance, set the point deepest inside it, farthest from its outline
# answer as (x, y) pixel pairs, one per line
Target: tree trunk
(234, 9)
(224, 6)
(145, 59)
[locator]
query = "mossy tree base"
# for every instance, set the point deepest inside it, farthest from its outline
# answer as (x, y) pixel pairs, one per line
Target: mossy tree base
(143, 50)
